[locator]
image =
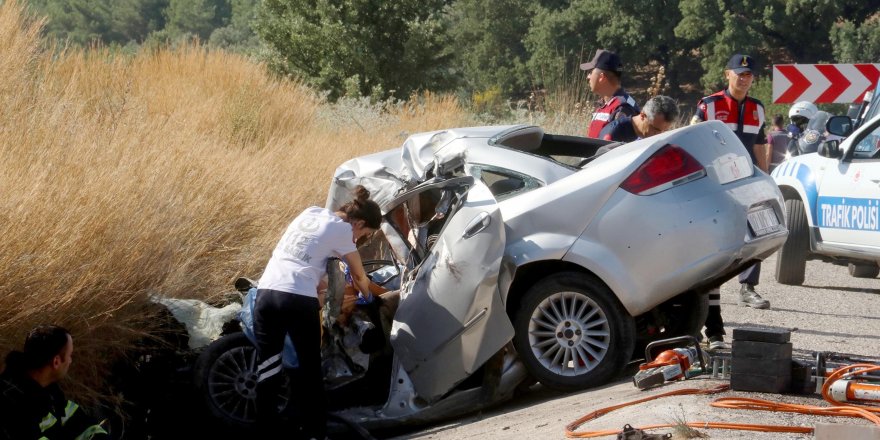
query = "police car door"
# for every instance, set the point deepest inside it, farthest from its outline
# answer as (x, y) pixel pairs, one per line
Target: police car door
(848, 208)
(451, 318)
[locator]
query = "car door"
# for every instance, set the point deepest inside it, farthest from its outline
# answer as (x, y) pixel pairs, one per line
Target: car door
(848, 208)
(451, 318)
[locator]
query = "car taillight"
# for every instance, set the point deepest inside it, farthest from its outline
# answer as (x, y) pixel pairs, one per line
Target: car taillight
(669, 166)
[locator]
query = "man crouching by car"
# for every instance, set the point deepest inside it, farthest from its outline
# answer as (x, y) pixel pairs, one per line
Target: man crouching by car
(32, 405)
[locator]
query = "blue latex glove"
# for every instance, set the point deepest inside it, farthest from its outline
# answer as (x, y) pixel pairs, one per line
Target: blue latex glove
(362, 300)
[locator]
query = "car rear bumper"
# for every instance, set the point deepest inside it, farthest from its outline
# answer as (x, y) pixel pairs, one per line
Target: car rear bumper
(651, 248)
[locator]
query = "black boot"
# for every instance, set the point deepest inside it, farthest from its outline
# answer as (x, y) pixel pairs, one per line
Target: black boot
(748, 297)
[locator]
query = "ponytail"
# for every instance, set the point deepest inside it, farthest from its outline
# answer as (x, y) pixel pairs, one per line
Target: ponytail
(362, 208)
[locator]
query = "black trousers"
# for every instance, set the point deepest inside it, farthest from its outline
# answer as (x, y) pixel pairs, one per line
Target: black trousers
(277, 314)
(714, 323)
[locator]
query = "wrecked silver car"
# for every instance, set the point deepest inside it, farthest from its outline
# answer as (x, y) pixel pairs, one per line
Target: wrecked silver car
(511, 255)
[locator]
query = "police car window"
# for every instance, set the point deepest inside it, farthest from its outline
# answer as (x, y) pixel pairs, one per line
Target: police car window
(869, 146)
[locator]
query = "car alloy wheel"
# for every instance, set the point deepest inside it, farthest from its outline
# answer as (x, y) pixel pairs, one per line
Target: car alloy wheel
(226, 377)
(569, 333)
(572, 333)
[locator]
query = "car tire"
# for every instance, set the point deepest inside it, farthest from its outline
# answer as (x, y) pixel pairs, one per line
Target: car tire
(225, 378)
(791, 263)
(863, 270)
(686, 315)
(572, 333)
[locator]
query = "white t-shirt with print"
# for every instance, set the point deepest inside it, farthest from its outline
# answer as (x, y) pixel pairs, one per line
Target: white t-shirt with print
(299, 261)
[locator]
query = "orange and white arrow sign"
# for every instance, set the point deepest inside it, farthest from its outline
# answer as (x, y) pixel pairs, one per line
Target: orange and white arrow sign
(823, 83)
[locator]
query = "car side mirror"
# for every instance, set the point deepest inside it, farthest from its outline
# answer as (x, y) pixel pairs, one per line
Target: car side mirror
(839, 125)
(830, 149)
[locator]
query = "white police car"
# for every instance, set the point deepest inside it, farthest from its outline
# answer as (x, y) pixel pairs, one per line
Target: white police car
(832, 203)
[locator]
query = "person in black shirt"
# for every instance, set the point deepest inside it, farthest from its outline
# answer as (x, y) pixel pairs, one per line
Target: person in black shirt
(32, 405)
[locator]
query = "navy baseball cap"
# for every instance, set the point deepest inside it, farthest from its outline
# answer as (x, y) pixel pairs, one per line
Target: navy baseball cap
(604, 60)
(740, 63)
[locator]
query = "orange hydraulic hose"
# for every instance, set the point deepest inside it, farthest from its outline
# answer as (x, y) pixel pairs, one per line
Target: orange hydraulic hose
(838, 410)
(571, 427)
(848, 372)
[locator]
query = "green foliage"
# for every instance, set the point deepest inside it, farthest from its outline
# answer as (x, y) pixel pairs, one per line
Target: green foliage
(489, 101)
(486, 38)
(379, 49)
(762, 89)
(791, 31)
(641, 31)
(196, 17)
(857, 43)
(240, 34)
(560, 39)
(225, 23)
(395, 46)
(83, 22)
(720, 30)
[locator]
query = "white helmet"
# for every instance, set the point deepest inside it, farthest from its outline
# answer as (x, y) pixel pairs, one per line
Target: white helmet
(805, 109)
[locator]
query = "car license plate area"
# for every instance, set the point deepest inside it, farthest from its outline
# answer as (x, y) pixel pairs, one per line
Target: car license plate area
(763, 221)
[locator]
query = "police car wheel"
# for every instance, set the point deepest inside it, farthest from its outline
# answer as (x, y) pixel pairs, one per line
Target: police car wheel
(572, 333)
(863, 270)
(791, 262)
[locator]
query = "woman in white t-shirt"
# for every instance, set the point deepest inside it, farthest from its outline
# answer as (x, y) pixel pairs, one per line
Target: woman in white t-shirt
(287, 304)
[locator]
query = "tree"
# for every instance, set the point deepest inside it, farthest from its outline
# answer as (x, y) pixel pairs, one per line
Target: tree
(857, 43)
(383, 48)
(640, 31)
(196, 17)
(719, 30)
(561, 38)
(107, 21)
(788, 31)
(240, 34)
(487, 40)
(644, 31)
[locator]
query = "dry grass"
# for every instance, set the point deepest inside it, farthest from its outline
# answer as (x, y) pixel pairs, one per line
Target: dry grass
(167, 172)
(681, 430)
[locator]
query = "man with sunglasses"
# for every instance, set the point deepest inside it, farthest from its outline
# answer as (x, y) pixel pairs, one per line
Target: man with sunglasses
(657, 116)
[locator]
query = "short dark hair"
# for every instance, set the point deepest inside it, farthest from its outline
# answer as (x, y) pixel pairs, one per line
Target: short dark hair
(42, 344)
(777, 120)
(616, 75)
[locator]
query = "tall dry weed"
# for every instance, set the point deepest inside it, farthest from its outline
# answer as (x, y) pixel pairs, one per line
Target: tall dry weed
(168, 172)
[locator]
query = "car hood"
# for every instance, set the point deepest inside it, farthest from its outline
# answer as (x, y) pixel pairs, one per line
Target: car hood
(421, 156)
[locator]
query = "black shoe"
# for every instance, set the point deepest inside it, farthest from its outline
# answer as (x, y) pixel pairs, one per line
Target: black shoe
(748, 297)
(717, 343)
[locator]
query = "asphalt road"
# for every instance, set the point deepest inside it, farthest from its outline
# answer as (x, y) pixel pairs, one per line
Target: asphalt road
(830, 312)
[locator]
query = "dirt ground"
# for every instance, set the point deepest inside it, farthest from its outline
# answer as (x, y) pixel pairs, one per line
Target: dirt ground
(831, 312)
(545, 414)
